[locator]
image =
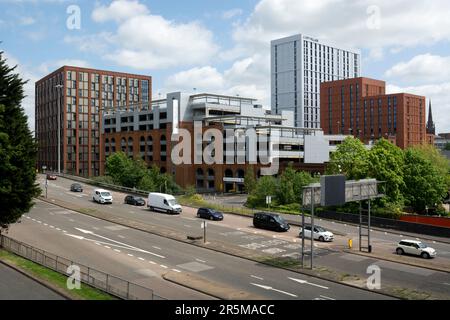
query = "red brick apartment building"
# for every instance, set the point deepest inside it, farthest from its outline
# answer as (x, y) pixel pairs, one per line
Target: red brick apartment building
(360, 107)
(84, 95)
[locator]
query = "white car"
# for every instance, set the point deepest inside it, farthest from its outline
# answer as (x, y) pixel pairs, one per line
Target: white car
(163, 202)
(319, 233)
(102, 196)
(416, 248)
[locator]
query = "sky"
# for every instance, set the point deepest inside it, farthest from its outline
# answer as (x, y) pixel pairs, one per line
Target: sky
(224, 46)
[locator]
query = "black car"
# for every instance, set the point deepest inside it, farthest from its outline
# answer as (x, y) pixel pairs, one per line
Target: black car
(76, 187)
(270, 221)
(134, 200)
(209, 214)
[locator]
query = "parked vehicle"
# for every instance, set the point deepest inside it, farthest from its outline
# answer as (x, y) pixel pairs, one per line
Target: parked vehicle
(163, 202)
(51, 176)
(210, 214)
(416, 248)
(134, 200)
(102, 196)
(76, 187)
(270, 221)
(319, 233)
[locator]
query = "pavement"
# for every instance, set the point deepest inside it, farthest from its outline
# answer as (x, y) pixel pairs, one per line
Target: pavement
(16, 286)
(237, 233)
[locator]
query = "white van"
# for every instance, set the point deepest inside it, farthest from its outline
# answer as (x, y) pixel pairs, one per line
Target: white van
(102, 196)
(163, 202)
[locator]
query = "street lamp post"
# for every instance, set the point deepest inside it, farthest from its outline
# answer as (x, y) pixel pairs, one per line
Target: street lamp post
(59, 87)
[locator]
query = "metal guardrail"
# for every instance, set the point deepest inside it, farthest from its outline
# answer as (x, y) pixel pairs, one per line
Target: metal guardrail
(108, 283)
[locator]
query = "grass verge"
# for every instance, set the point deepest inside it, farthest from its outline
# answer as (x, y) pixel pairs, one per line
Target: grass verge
(53, 278)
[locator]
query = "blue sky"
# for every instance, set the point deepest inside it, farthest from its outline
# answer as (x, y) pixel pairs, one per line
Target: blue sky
(223, 46)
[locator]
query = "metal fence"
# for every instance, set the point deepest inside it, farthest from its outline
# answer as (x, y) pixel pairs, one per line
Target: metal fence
(113, 285)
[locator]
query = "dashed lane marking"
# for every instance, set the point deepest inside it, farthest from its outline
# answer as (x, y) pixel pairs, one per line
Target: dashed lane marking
(176, 270)
(163, 266)
(117, 250)
(200, 260)
(158, 248)
(152, 262)
(130, 255)
(142, 259)
(259, 278)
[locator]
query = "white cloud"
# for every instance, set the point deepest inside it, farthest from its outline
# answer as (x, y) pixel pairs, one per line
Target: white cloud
(347, 22)
(229, 14)
(27, 21)
(146, 41)
(246, 78)
(119, 10)
(48, 67)
(440, 97)
(421, 69)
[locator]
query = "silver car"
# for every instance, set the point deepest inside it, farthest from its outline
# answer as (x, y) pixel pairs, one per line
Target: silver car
(416, 248)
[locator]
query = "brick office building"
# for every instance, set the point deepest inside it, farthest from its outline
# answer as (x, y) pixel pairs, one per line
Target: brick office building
(148, 135)
(84, 95)
(360, 107)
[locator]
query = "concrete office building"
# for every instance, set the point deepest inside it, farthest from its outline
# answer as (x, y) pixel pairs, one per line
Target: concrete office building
(148, 135)
(82, 96)
(360, 107)
(298, 65)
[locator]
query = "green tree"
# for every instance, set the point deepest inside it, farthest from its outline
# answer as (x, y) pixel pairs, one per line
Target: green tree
(301, 179)
(117, 165)
(18, 150)
(285, 193)
(266, 186)
(249, 181)
(386, 164)
(424, 182)
(435, 156)
(447, 146)
(350, 158)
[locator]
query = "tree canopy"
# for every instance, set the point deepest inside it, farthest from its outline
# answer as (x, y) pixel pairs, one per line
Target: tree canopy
(18, 150)
(350, 159)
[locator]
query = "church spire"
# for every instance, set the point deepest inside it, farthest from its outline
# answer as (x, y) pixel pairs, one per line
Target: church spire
(431, 129)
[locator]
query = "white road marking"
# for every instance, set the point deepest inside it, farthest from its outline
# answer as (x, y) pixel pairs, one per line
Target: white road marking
(58, 229)
(52, 227)
(45, 224)
(95, 228)
(187, 226)
(259, 278)
(434, 241)
(417, 239)
(98, 244)
(163, 266)
(64, 231)
(28, 217)
(71, 220)
(120, 236)
(107, 247)
(446, 284)
(201, 260)
(401, 235)
(176, 270)
(33, 219)
(130, 255)
(158, 248)
(152, 262)
(116, 250)
(141, 258)
(306, 282)
(273, 289)
(327, 298)
(121, 243)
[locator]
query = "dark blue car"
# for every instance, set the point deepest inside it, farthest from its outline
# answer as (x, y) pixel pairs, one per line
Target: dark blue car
(210, 214)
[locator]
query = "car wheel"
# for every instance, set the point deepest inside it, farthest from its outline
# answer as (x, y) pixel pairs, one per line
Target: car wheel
(211, 218)
(93, 199)
(198, 215)
(399, 251)
(321, 239)
(151, 208)
(425, 255)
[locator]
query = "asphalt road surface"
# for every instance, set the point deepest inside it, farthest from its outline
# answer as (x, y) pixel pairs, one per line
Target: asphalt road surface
(16, 286)
(143, 258)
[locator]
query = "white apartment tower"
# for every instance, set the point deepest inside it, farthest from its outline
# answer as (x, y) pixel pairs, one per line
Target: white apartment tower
(298, 65)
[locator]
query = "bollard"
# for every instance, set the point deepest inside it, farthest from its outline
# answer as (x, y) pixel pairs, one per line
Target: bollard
(350, 243)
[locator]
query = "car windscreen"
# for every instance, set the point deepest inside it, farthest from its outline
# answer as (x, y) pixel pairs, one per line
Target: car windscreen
(172, 202)
(105, 194)
(320, 229)
(422, 245)
(138, 199)
(279, 219)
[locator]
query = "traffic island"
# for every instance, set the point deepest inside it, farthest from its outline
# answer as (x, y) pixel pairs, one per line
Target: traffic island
(208, 287)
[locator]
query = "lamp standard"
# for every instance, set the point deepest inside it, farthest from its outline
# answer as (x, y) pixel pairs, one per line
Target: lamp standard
(59, 87)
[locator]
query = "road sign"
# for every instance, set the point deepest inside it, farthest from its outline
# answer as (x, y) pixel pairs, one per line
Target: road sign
(204, 224)
(268, 199)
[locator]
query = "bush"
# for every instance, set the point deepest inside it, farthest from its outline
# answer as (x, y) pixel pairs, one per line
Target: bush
(104, 179)
(189, 191)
